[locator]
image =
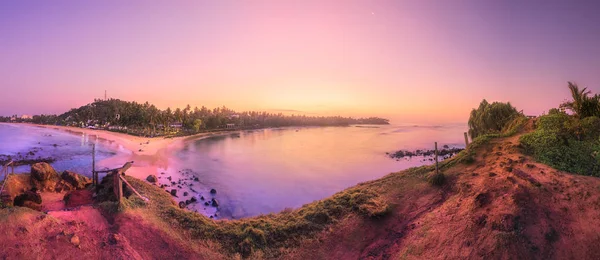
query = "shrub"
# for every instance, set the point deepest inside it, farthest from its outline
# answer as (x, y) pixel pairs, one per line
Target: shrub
(590, 127)
(557, 141)
(437, 179)
(491, 118)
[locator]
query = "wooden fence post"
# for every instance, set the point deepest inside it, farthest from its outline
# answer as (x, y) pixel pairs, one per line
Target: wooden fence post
(94, 173)
(466, 140)
(436, 159)
(117, 186)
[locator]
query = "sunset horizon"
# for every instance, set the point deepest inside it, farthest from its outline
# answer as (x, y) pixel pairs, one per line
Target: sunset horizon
(321, 58)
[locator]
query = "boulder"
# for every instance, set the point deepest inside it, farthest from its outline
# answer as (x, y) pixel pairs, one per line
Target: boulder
(215, 203)
(151, 178)
(28, 196)
(181, 204)
(193, 199)
(213, 191)
(174, 192)
(78, 181)
(43, 176)
(43, 171)
(185, 193)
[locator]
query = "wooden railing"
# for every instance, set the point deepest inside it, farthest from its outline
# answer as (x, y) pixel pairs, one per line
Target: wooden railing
(5, 172)
(118, 181)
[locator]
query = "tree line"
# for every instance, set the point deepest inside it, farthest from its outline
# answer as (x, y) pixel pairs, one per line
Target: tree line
(147, 119)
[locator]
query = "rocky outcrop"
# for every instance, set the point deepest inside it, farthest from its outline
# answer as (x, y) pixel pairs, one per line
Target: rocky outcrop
(152, 178)
(44, 177)
(78, 181)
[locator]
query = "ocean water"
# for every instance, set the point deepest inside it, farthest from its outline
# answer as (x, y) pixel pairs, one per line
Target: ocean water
(264, 171)
(72, 151)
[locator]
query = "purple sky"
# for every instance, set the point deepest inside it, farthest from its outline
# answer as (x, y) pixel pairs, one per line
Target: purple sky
(412, 61)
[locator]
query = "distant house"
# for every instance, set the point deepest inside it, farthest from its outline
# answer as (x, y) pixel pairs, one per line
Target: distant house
(26, 117)
(176, 125)
(230, 126)
(12, 119)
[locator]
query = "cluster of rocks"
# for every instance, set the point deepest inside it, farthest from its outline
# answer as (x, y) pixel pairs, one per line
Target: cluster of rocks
(44, 178)
(446, 152)
(26, 158)
(173, 187)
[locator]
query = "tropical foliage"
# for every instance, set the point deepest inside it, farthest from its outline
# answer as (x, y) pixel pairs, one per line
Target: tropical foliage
(583, 104)
(147, 119)
(569, 142)
(491, 118)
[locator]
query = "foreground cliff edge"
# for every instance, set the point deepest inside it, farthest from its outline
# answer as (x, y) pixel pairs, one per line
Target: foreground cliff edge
(491, 202)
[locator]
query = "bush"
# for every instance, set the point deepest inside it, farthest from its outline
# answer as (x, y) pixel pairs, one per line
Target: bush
(437, 179)
(590, 127)
(561, 141)
(491, 118)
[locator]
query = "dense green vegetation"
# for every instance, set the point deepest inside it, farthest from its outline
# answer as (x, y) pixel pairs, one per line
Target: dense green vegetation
(147, 119)
(568, 142)
(491, 118)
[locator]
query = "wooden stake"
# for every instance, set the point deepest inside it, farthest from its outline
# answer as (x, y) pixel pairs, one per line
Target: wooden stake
(466, 140)
(117, 185)
(436, 159)
(94, 173)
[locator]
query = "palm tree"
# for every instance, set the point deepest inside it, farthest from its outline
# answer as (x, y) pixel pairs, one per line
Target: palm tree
(582, 104)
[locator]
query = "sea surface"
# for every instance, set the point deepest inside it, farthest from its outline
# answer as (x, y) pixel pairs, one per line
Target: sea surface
(254, 172)
(72, 151)
(263, 171)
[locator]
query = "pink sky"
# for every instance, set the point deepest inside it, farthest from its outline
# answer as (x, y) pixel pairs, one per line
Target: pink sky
(411, 61)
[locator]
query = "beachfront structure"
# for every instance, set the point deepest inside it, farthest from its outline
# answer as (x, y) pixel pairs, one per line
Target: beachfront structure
(230, 126)
(25, 117)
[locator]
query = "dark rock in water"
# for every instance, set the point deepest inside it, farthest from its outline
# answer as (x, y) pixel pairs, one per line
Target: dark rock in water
(187, 202)
(162, 173)
(162, 185)
(214, 202)
(181, 204)
(185, 193)
(193, 199)
(196, 179)
(213, 191)
(169, 178)
(211, 216)
(174, 192)
(179, 186)
(151, 178)
(201, 197)
(206, 203)
(27, 196)
(78, 181)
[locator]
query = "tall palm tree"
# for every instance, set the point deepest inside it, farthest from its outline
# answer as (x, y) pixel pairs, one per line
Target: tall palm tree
(582, 104)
